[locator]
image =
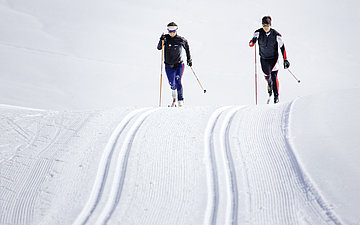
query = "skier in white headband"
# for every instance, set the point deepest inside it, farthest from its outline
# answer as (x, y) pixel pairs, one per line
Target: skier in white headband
(174, 66)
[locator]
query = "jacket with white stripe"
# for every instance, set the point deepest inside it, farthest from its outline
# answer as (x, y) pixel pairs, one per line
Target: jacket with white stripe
(268, 43)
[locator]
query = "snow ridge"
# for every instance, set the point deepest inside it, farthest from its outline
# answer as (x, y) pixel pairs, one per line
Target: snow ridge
(307, 184)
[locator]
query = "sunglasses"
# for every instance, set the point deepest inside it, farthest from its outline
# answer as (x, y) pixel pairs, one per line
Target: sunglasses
(172, 31)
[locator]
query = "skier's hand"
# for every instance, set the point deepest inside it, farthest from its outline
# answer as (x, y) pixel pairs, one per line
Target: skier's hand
(189, 62)
(251, 43)
(162, 38)
(286, 64)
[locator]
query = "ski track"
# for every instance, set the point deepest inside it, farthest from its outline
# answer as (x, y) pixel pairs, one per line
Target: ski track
(165, 181)
(231, 180)
(223, 163)
(246, 149)
(120, 173)
(212, 174)
(103, 170)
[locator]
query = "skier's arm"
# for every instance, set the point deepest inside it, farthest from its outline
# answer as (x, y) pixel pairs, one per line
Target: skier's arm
(283, 51)
(254, 39)
(187, 50)
(282, 46)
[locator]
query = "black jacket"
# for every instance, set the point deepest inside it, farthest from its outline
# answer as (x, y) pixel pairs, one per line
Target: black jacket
(173, 47)
(268, 43)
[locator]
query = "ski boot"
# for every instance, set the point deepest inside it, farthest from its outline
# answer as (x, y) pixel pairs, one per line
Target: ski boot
(276, 99)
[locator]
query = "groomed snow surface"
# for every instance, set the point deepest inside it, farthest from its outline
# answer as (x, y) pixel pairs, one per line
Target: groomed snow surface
(290, 163)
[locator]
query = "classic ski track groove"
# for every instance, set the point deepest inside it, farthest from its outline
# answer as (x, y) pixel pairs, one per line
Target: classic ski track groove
(212, 173)
(104, 166)
(227, 167)
(120, 173)
(232, 187)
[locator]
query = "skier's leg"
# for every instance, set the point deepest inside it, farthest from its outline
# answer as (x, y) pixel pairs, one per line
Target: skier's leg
(275, 85)
(269, 82)
(274, 79)
(266, 68)
(178, 77)
(171, 74)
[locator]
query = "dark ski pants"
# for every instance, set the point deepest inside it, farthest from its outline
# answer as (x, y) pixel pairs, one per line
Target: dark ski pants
(268, 67)
(174, 75)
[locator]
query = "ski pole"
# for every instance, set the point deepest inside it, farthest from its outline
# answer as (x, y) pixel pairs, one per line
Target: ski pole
(256, 98)
(162, 63)
(294, 76)
(204, 90)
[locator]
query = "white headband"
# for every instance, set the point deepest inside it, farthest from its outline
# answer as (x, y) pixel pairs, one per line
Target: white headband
(172, 27)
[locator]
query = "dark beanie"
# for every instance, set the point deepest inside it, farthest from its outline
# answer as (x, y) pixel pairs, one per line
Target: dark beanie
(266, 20)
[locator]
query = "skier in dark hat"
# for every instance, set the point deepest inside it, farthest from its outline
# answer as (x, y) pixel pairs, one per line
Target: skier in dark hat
(269, 40)
(174, 66)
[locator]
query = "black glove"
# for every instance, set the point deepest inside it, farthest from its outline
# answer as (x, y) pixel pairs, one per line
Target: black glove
(189, 62)
(286, 64)
(162, 38)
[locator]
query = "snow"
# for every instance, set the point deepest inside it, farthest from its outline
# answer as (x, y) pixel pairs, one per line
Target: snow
(332, 163)
(82, 140)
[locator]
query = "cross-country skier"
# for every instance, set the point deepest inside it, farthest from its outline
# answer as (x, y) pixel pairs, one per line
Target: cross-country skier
(269, 40)
(174, 66)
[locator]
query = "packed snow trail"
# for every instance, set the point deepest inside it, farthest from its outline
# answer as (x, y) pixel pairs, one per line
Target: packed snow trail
(120, 173)
(197, 165)
(223, 163)
(212, 173)
(157, 186)
(101, 178)
(277, 190)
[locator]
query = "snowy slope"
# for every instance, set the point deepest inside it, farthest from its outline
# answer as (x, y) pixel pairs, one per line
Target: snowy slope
(220, 160)
(195, 165)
